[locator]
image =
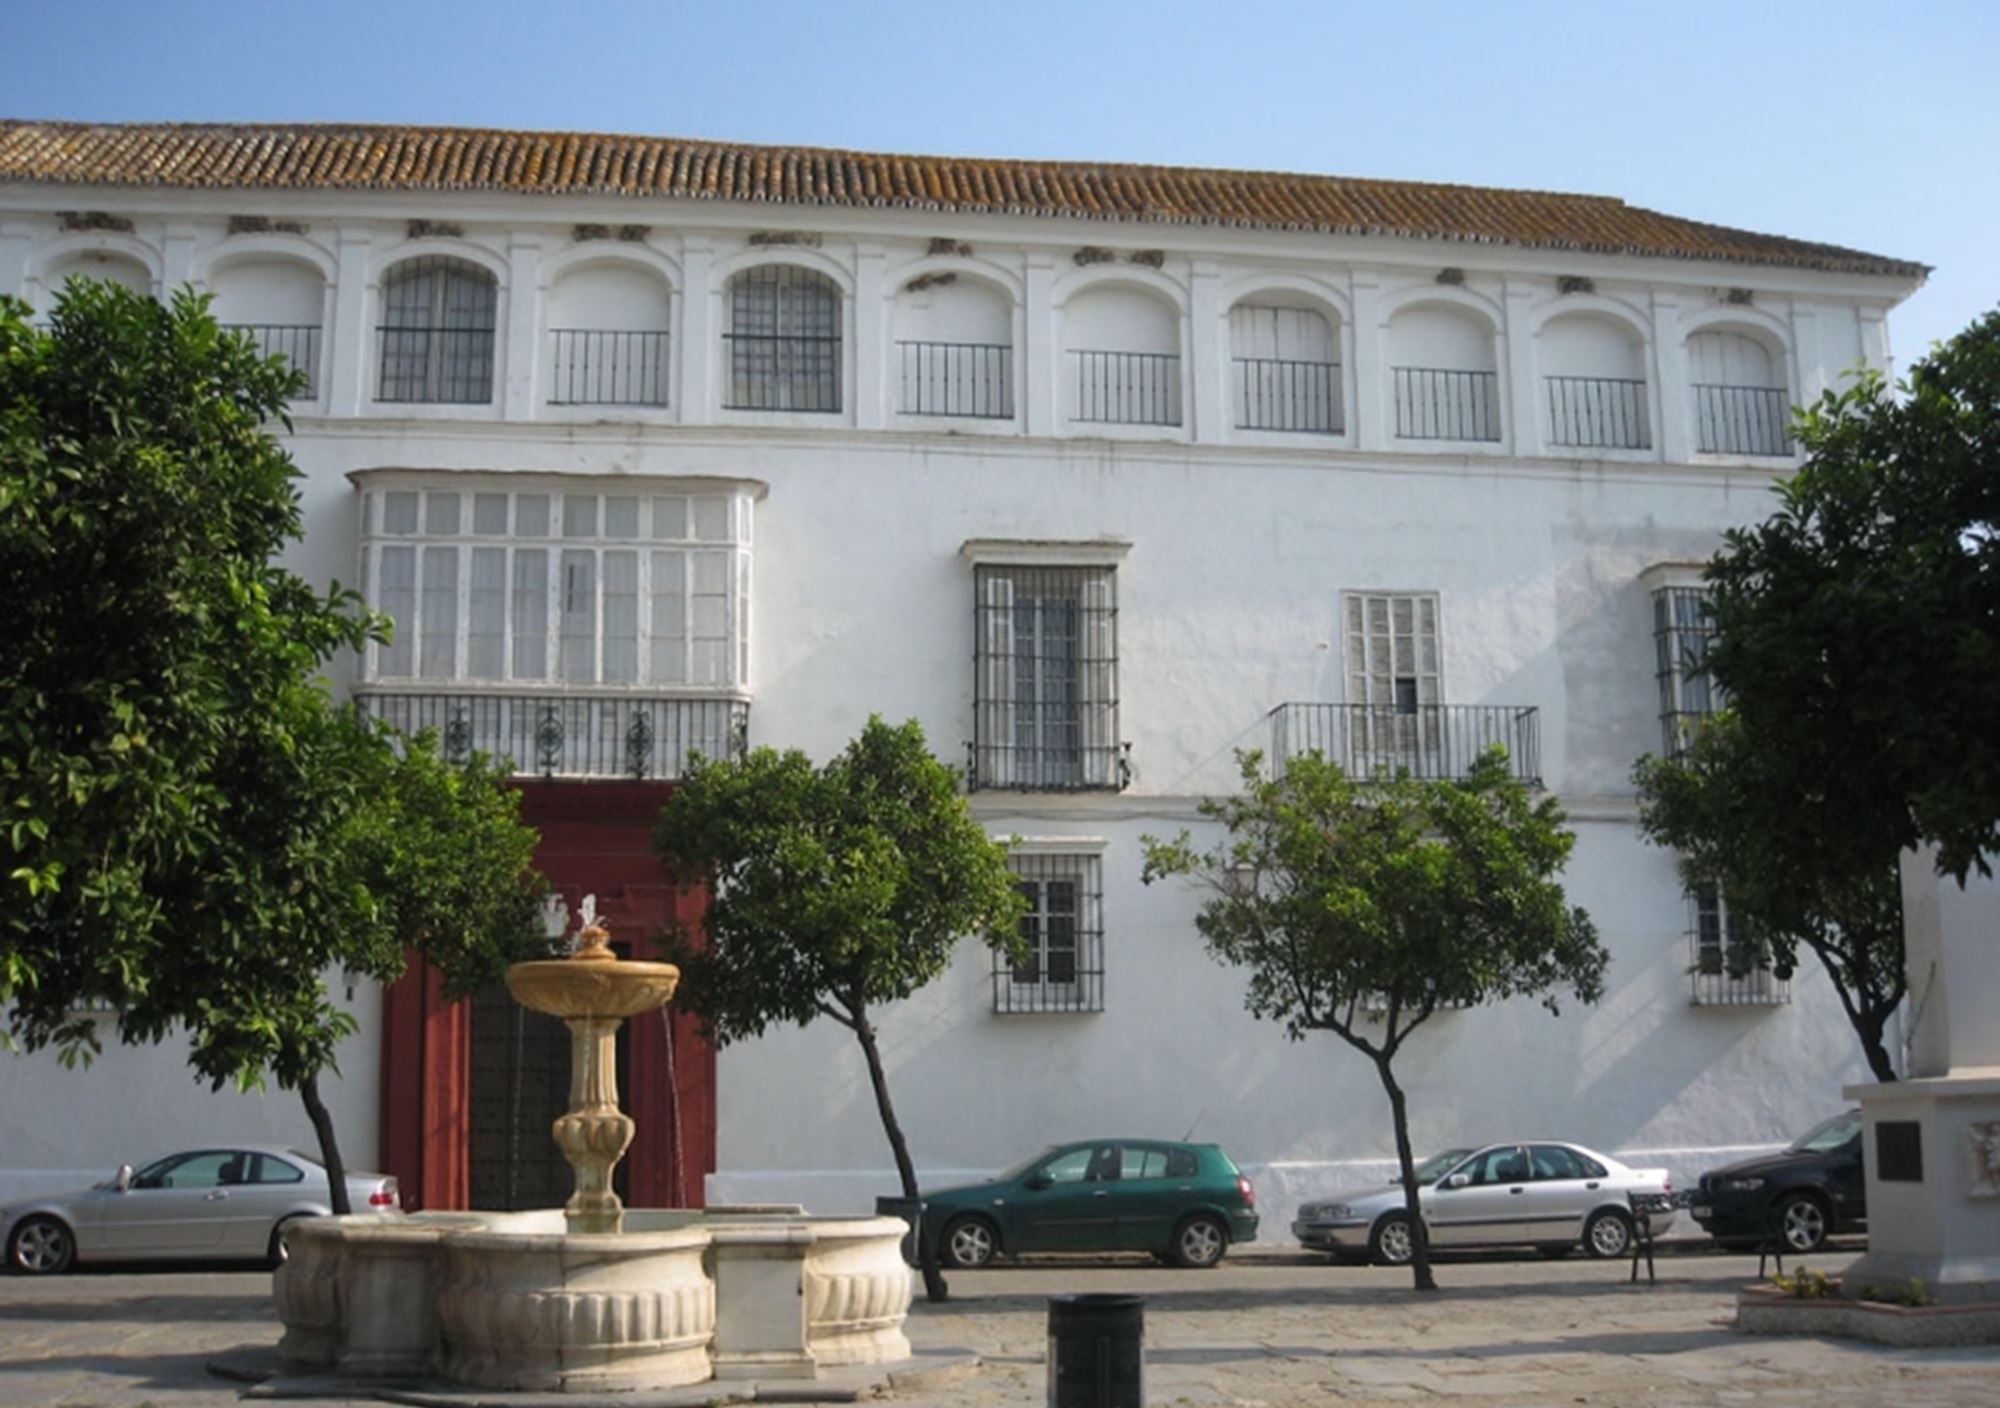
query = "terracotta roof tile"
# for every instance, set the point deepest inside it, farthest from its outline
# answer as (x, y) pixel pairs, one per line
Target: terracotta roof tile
(266, 156)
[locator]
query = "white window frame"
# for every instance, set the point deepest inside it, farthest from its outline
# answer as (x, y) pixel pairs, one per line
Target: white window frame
(1038, 864)
(1396, 686)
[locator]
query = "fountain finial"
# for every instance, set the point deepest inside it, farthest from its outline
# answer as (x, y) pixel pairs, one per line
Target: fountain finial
(593, 941)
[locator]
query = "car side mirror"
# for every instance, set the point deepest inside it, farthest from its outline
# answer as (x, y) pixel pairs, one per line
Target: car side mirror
(1458, 1180)
(122, 1180)
(1041, 1181)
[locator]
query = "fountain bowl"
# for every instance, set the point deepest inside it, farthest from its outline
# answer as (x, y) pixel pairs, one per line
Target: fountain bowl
(592, 987)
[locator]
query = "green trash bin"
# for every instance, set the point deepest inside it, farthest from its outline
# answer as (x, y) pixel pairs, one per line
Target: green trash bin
(1097, 1351)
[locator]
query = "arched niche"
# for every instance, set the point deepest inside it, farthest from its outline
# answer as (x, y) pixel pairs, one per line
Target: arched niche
(105, 265)
(1594, 383)
(1284, 351)
(279, 302)
(1443, 372)
(1122, 356)
(954, 352)
(610, 323)
(1740, 399)
(438, 318)
(782, 331)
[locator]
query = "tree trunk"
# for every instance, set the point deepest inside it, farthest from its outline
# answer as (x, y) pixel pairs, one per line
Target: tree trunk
(329, 1146)
(1869, 1029)
(934, 1284)
(1420, 1242)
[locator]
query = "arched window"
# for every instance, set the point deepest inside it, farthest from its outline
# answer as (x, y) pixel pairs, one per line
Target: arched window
(1287, 368)
(1595, 373)
(954, 349)
(608, 329)
(1443, 374)
(784, 340)
(437, 331)
(1741, 406)
(280, 304)
(1123, 347)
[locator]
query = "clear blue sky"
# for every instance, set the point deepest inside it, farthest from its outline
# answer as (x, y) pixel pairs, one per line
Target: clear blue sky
(1866, 124)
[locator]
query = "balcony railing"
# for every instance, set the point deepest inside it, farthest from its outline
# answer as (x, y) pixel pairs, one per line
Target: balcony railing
(1741, 420)
(1725, 976)
(1435, 403)
(1598, 412)
(780, 372)
(1127, 388)
(602, 367)
(436, 365)
(297, 343)
(974, 379)
(1434, 742)
(1278, 394)
(572, 736)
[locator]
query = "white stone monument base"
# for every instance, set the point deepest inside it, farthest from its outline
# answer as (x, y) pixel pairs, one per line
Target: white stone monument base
(1944, 1230)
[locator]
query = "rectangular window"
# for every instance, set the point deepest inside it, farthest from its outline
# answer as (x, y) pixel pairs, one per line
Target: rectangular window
(1682, 633)
(1395, 683)
(1730, 966)
(1046, 679)
(1060, 967)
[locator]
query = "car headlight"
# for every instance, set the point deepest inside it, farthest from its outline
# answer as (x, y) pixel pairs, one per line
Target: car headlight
(1319, 1210)
(1741, 1185)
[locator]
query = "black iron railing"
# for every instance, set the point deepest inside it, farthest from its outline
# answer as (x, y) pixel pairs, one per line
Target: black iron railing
(297, 343)
(1059, 966)
(1598, 413)
(973, 379)
(1277, 394)
(1435, 403)
(572, 736)
(1430, 741)
(601, 367)
(1127, 388)
(436, 365)
(1741, 420)
(1725, 970)
(782, 372)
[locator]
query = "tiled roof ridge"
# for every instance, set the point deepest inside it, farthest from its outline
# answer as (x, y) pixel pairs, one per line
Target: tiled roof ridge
(359, 155)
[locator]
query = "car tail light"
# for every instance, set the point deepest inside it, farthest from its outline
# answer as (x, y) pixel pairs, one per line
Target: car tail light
(1249, 1193)
(1667, 1186)
(384, 1197)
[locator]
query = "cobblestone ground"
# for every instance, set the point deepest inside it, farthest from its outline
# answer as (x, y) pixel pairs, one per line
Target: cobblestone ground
(1260, 1332)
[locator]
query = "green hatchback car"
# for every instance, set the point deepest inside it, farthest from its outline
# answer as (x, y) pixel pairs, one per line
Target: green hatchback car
(1184, 1203)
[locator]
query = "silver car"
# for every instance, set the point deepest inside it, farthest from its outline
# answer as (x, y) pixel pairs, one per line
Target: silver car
(1546, 1195)
(223, 1204)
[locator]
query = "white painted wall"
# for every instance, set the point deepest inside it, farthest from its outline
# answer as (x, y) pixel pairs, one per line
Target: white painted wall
(268, 290)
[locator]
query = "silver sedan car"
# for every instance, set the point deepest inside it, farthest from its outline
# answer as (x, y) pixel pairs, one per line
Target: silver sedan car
(224, 1204)
(1546, 1195)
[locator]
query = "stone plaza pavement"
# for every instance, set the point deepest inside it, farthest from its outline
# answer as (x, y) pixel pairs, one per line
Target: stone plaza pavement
(1262, 1331)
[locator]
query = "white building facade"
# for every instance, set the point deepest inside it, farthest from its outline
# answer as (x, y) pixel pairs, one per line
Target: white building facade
(1100, 473)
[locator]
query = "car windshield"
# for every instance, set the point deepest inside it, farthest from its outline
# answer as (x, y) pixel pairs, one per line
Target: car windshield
(1437, 1166)
(1825, 1137)
(1020, 1170)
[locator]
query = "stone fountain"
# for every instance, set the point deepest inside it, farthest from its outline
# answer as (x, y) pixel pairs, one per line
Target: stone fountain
(593, 1297)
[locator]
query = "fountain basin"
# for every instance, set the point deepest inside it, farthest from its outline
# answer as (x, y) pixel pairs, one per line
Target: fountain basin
(514, 1301)
(592, 987)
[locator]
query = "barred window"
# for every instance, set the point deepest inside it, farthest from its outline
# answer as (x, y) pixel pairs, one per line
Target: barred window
(1061, 965)
(1730, 967)
(1046, 679)
(1682, 633)
(437, 332)
(784, 340)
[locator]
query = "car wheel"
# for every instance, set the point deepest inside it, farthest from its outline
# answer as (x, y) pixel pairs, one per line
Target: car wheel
(1608, 1233)
(969, 1243)
(1801, 1222)
(1390, 1244)
(275, 1254)
(1555, 1251)
(1199, 1242)
(41, 1246)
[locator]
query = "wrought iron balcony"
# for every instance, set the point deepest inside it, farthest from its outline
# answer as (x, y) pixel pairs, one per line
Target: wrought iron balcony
(601, 367)
(1598, 413)
(1278, 394)
(973, 379)
(297, 343)
(552, 735)
(1438, 403)
(1434, 742)
(1127, 388)
(1741, 420)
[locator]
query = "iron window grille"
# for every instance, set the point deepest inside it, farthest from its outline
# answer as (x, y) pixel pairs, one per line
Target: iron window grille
(1742, 420)
(1045, 705)
(1438, 403)
(1061, 966)
(1729, 966)
(1598, 412)
(297, 343)
(603, 367)
(1127, 388)
(972, 379)
(784, 340)
(1682, 633)
(1275, 393)
(438, 317)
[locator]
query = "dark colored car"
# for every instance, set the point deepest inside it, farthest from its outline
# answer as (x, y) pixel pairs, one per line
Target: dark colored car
(1802, 1196)
(1184, 1203)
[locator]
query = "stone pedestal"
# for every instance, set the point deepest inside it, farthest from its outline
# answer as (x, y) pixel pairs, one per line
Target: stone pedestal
(760, 1276)
(1932, 1140)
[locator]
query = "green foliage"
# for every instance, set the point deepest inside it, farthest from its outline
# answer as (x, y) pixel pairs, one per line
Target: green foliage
(1343, 899)
(191, 832)
(1860, 625)
(1914, 1293)
(836, 888)
(1806, 1283)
